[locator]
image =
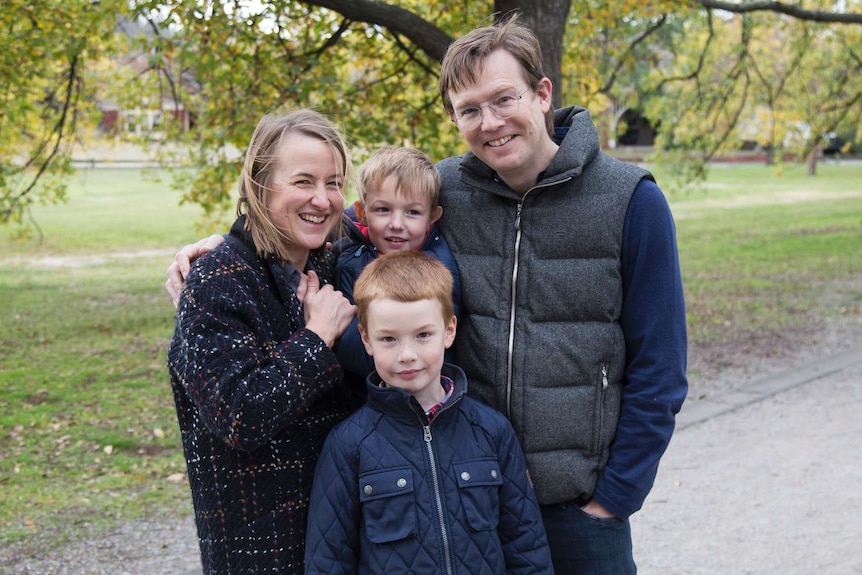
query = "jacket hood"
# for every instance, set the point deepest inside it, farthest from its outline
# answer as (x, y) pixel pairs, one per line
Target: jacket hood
(579, 147)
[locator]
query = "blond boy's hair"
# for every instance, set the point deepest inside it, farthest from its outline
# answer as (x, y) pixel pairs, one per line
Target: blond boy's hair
(404, 277)
(414, 171)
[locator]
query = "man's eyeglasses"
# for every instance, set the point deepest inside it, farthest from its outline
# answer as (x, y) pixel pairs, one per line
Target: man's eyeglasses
(503, 106)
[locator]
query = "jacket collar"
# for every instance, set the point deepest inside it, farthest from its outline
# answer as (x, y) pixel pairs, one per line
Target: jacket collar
(579, 147)
(396, 402)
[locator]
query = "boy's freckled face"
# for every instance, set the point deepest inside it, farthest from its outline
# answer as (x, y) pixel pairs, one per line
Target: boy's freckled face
(398, 220)
(407, 341)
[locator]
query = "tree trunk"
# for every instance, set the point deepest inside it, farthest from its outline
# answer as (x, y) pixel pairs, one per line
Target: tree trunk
(547, 18)
(811, 161)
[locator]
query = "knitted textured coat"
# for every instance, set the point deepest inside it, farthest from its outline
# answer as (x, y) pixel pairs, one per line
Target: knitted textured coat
(256, 394)
(394, 494)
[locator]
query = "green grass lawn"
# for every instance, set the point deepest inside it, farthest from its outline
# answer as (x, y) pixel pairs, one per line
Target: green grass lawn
(88, 432)
(756, 249)
(87, 423)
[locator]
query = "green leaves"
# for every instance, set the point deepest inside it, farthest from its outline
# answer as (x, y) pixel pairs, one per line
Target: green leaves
(705, 78)
(43, 93)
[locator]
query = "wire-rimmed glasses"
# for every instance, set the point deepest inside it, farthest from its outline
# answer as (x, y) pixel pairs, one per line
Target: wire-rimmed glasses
(503, 106)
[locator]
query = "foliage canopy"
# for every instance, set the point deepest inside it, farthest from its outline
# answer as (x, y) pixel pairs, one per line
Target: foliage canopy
(707, 74)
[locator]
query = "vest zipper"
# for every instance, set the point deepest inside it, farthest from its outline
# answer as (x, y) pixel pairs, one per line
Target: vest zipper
(600, 412)
(438, 498)
(514, 296)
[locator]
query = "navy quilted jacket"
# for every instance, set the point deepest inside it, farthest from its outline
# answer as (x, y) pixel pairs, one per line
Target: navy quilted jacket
(393, 494)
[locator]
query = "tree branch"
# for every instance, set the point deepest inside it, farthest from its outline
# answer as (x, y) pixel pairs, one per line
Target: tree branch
(606, 88)
(782, 8)
(411, 55)
(426, 36)
(57, 134)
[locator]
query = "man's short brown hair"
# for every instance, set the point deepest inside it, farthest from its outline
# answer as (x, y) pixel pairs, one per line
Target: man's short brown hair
(465, 56)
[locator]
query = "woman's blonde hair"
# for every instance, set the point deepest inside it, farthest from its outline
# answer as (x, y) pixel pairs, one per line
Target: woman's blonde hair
(261, 163)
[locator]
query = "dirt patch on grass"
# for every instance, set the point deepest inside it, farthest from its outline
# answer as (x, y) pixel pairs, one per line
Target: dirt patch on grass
(731, 360)
(89, 260)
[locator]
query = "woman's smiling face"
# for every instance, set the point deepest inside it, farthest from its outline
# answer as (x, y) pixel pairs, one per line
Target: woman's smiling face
(306, 198)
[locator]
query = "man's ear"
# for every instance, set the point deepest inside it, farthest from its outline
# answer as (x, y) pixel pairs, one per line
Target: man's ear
(545, 93)
(436, 214)
(359, 210)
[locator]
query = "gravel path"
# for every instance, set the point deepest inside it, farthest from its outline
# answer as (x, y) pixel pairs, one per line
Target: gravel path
(774, 487)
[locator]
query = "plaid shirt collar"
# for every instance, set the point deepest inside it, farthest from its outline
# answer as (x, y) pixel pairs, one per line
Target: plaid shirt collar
(449, 387)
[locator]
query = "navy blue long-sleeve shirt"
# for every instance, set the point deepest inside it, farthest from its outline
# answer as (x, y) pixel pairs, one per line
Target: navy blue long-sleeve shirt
(653, 323)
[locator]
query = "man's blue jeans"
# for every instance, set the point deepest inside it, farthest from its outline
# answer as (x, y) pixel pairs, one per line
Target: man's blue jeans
(585, 545)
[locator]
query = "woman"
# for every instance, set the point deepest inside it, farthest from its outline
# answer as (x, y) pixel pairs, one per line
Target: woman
(256, 384)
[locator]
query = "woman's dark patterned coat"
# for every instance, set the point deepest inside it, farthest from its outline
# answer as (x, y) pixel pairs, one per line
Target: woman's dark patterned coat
(256, 394)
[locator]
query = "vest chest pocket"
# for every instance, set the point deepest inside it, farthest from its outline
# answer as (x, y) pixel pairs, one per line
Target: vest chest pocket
(479, 482)
(388, 504)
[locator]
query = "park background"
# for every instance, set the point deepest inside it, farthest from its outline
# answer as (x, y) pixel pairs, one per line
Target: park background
(755, 141)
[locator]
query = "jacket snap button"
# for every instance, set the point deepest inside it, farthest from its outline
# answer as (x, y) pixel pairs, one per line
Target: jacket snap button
(494, 473)
(402, 483)
(368, 490)
(465, 476)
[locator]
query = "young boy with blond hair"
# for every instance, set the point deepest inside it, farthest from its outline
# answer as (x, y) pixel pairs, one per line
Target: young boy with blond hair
(397, 210)
(422, 478)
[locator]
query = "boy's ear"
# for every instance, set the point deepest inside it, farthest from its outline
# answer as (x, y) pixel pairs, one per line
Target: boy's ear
(359, 210)
(364, 338)
(436, 213)
(449, 334)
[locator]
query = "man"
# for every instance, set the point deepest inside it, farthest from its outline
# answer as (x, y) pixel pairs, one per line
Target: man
(573, 320)
(573, 317)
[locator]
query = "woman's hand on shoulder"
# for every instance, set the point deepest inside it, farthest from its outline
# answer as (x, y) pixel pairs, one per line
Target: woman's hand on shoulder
(327, 311)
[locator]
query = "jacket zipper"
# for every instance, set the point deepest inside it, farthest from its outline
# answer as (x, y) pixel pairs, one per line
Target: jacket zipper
(600, 412)
(437, 497)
